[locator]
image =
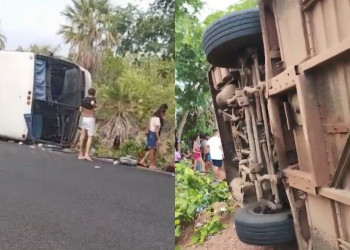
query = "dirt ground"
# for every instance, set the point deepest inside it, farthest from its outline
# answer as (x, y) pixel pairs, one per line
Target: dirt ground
(228, 240)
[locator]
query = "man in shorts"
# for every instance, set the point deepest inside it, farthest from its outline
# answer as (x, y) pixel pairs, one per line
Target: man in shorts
(216, 154)
(88, 123)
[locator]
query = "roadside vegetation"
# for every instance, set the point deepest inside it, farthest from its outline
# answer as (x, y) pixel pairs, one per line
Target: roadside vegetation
(200, 203)
(130, 54)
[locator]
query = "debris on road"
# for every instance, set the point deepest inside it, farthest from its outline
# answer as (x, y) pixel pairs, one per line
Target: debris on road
(128, 160)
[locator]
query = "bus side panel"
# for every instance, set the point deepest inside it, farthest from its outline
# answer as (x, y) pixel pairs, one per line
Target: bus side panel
(16, 93)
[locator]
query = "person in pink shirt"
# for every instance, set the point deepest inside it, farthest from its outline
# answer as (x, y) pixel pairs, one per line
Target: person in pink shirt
(177, 156)
(197, 155)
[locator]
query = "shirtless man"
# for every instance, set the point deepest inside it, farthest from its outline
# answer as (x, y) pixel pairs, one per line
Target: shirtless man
(87, 110)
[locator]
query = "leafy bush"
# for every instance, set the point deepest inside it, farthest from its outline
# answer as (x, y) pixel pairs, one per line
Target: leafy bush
(136, 86)
(133, 148)
(129, 90)
(213, 227)
(166, 154)
(195, 192)
(130, 147)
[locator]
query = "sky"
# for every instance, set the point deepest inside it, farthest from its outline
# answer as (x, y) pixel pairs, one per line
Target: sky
(26, 22)
(212, 6)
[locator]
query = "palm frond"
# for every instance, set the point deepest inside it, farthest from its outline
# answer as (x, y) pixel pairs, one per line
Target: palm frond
(89, 30)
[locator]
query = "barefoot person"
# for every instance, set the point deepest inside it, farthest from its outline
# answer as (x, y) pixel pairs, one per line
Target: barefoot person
(216, 154)
(153, 140)
(87, 109)
(157, 115)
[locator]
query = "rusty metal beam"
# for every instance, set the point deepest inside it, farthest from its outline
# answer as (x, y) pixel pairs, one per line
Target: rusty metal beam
(342, 166)
(231, 166)
(315, 146)
(277, 131)
(283, 82)
(344, 244)
(344, 247)
(339, 195)
(326, 56)
(337, 128)
(268, 66)
(300, 180)
(294, 207)
(307, 4)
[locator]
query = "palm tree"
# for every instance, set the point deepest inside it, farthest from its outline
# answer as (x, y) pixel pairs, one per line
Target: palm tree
(119, 98)
(90, 30)
(2, 41)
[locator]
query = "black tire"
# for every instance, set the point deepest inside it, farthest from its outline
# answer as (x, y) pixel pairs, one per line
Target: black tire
(225, 37)
(264, 229)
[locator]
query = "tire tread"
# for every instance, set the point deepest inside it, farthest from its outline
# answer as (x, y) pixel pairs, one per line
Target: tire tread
(226, 36)
(263, 230)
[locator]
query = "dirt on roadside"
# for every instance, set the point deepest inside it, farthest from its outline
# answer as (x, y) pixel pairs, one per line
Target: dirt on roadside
(227, 240)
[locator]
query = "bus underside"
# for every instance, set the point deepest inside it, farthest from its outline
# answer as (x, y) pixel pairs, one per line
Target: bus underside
(58, 89)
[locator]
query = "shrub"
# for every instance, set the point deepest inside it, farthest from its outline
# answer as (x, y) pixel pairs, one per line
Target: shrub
(195, 192)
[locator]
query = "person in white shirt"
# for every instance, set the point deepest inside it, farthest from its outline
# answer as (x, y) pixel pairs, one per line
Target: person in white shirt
(216, 154)
(153, 136)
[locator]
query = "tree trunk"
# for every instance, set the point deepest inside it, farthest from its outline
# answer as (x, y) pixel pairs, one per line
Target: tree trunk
(182, 124)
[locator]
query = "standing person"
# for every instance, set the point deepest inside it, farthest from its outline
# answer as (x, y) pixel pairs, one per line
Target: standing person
(206, 152)
(203, 145)
(153, 136)
(216, 154)
(87, 110)
(197, 155)
(177, 144)
(177, 156)
(154, 141)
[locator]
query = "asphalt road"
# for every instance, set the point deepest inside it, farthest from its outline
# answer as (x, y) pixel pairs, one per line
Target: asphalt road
(51, 200)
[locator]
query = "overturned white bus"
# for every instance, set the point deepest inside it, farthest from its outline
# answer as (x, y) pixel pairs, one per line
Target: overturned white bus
(40, 97)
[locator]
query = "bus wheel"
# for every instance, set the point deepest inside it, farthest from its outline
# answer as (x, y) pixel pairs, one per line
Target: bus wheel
(225, 37)
(264, 229)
